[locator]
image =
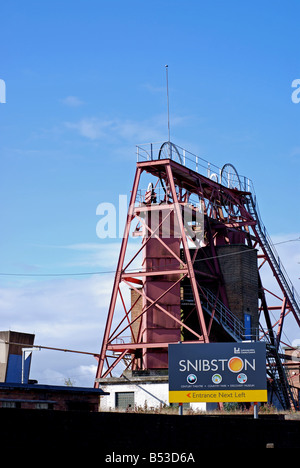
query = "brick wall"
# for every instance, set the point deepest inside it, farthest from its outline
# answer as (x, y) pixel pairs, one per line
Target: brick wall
(49, 397)
(238, 264)
(136, 303)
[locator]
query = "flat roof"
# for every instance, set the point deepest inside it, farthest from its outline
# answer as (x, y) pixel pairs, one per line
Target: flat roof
(51, 388)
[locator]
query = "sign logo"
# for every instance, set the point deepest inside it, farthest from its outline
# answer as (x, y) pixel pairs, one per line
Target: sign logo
(242, 378)
(235, 364)
(191, 379)
(216, 378)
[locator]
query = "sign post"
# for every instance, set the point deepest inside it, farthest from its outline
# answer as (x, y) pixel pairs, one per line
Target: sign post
(217, 372)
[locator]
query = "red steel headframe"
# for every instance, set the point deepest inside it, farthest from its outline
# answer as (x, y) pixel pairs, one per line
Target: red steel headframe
(186, 269)
(241, 220)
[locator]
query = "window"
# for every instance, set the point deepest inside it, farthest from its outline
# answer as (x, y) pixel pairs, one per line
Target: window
(9, 404)
(41, 405)
(124, 400)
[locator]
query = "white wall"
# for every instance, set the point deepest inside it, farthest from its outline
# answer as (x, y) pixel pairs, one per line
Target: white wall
(151, 395)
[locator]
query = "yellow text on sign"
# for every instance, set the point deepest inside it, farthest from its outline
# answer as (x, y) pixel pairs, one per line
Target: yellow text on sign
(217, 396)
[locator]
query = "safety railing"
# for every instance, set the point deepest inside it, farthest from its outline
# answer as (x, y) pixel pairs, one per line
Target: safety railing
(167, 150)
(222, 314)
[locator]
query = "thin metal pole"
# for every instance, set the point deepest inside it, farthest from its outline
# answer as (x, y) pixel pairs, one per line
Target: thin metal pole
(168, 102)
(51, 348)
(255, 413)
(23, 359)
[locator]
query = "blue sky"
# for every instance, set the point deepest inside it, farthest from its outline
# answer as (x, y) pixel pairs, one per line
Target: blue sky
(85, 82)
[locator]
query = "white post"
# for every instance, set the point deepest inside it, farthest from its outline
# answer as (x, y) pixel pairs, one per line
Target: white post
(255, 410)
(24, 350)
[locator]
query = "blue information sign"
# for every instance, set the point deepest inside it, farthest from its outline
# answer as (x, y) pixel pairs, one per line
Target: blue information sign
(217, 372)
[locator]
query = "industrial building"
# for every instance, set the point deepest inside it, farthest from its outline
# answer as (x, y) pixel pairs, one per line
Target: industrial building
(202, 247)
(50, 397)
(17, 391)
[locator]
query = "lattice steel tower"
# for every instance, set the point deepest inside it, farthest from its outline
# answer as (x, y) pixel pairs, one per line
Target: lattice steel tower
(201, 247)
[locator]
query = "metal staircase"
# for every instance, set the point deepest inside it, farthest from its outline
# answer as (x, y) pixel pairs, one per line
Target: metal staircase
(269, 250)
(276, 369)
(220, 313)
(235, 328)
(213, 306)
(280, 379)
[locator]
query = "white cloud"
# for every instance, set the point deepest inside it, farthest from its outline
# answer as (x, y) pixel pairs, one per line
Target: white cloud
(91, 128)
(154, 129)
(72, 101)
(80, 370)
(154, 89)
(65, 312)
(102, 256)
(62, 313)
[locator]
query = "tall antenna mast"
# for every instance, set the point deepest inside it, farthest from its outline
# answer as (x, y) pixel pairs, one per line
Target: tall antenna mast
(168, 103)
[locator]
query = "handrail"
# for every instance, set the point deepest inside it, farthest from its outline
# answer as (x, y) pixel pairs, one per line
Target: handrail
(229, 321)
(223, 315)
(158, 150)
(267, 243)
